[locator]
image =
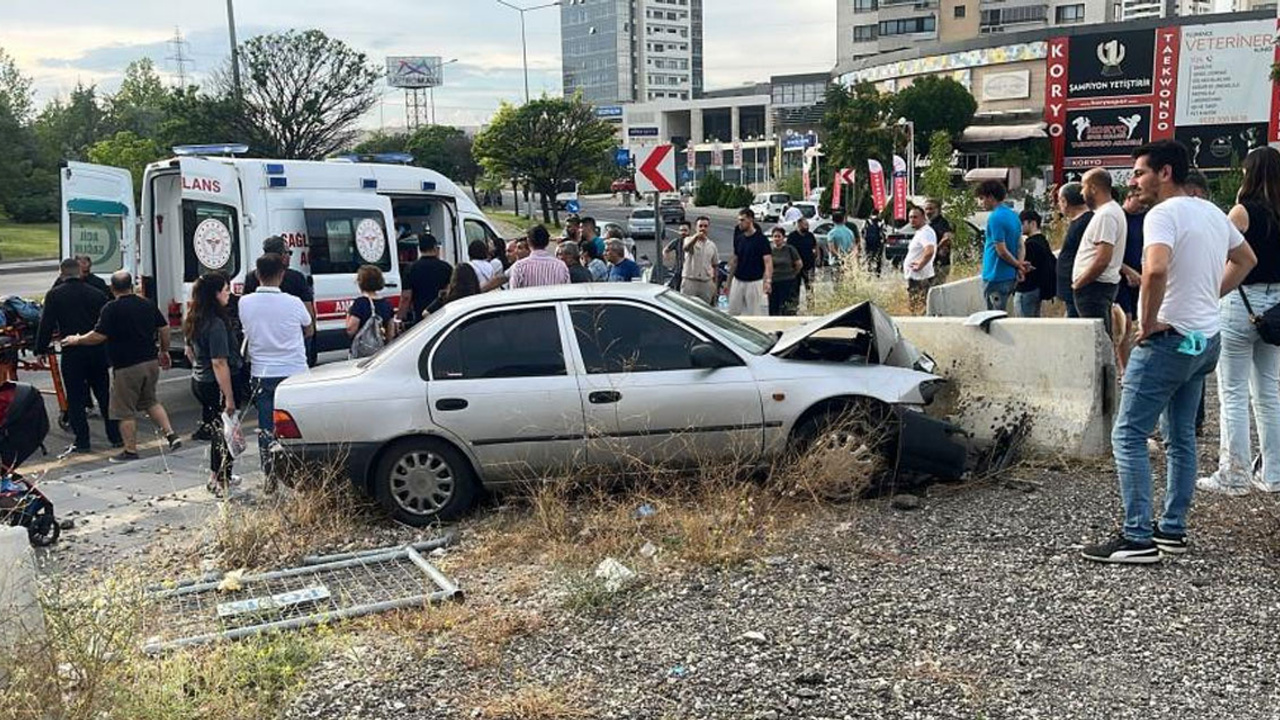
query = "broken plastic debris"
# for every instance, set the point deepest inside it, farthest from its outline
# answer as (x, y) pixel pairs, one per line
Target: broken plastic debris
(231, 581)
(615, 575)
(646, 510)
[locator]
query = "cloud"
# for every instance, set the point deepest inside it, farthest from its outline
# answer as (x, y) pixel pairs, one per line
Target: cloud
(92, 41)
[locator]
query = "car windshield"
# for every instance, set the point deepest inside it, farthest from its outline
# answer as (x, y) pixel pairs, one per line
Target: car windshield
(642, 214)
(780, 198)
(808, 210)
(736, 331)
(670, 202)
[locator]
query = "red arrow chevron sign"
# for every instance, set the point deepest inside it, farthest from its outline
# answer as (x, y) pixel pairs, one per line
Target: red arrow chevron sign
(657, 169)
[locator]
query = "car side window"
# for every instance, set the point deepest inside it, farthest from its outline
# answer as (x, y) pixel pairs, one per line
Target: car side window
(515, 343)
(625, 338)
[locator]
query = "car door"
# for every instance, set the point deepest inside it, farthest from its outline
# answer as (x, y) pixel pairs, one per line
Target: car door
(644, 401)
(499, 382)
(98, 216)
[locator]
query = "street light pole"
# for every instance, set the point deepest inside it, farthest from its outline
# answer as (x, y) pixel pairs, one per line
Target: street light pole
(911, 154)
(524, 45)
(431, 91)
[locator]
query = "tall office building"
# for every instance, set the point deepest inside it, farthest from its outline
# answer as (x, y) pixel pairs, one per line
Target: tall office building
(870, 27)
(617, 51)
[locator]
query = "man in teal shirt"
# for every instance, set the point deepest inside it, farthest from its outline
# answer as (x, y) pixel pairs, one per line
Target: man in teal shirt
(840, 240)
(1001, 265)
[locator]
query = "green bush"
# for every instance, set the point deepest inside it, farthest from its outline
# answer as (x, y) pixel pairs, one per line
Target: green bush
(709, 191)
(793, 185)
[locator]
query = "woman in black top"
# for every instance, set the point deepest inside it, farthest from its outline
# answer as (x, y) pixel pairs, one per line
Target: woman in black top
(1248, 366)
(370, 281)
(217, 369)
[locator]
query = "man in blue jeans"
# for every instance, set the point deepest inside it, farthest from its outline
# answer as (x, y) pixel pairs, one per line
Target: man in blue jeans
(275, 326)
(1192, 256)
(1001, 265)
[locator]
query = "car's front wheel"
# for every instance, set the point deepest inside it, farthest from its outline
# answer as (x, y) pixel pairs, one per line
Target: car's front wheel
(422, 480)
(848, 449)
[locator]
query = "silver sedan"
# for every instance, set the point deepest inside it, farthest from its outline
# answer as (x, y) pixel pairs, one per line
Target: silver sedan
(510, 386)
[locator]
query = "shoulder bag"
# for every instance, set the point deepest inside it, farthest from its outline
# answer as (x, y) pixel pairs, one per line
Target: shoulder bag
(1267, 324)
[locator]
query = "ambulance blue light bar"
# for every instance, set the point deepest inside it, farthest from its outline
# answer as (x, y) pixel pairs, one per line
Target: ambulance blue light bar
(275, 168)
(214, 149)
(387, 158)
(278, 182)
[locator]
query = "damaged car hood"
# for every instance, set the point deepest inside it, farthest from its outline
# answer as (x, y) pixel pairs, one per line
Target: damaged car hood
(884, 344)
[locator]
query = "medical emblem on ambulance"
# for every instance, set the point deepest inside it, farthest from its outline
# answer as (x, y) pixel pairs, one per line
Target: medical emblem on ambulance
(212, 241)
(370, 241)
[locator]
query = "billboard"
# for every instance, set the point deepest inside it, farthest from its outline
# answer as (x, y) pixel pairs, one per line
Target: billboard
(1113, 64)
(414, 72)
(1220, 71)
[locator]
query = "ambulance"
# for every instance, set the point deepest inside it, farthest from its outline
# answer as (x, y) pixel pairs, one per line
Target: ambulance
(206, 210)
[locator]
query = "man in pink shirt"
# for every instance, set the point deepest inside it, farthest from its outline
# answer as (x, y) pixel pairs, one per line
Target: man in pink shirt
(541, 267)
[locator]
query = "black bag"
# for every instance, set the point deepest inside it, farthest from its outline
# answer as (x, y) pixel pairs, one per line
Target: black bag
(24, 423)
(1267, 324)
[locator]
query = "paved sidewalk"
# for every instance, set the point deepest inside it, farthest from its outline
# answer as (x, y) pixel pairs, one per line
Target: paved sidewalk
(121, 509)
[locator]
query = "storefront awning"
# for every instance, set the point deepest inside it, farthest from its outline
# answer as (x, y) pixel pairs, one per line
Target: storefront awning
(998, 133)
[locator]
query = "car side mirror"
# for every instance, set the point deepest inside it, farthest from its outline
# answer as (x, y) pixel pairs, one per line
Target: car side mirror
(710, 357)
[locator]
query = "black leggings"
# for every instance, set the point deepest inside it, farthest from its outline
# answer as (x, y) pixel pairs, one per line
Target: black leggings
(211, 407)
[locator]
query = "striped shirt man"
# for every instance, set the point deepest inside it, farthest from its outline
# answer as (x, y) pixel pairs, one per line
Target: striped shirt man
(540, 268)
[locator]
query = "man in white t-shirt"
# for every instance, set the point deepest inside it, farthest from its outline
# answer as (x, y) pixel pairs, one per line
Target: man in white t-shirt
(917, 266)
(276, 326)
(1095, 276)
(1192, 255)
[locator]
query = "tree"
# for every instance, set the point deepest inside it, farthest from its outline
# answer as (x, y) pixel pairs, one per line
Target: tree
(545, 142)
(936, 103)
(15, 89)
(65, 130)
(126, 150)
(139, 106)
(958, 203)
(382, 142)
(191, 117)
(857, 122)
(446, 150)
(303, 93)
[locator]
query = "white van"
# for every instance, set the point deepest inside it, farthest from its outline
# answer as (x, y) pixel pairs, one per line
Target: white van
(202, 213)
(768, 207)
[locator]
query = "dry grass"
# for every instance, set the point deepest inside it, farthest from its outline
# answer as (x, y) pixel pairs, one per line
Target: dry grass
(717, 514)
(320, 510)
(533, 702)
(477, 633)
(90, 666)
(888, 290)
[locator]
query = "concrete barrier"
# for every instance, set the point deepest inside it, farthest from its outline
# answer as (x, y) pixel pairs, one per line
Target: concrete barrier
(960, 298)
(1058, 375)
(21, 618)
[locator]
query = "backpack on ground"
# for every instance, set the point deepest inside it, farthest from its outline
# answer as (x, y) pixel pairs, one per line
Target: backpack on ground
(369, 339)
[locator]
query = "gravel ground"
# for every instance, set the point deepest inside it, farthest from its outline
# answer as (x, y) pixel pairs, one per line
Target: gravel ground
(975, 605)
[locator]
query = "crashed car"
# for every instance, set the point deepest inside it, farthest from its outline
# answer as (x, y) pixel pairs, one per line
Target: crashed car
(548, 382)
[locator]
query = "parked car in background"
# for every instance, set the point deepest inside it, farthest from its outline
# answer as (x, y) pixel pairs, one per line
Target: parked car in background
(641, 223)
(672, 209)
(768, 206)
(557, 382)
(622, 185)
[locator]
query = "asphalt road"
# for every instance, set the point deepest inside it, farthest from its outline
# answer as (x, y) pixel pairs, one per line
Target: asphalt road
(27, 284)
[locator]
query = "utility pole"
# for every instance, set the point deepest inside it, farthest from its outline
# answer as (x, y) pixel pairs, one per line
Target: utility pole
(179, 57)
(235, 53)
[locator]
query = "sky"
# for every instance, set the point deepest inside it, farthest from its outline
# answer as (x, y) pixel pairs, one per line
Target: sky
(61, 42)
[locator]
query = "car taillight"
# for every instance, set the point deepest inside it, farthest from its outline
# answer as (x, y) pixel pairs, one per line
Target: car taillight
(286, 428)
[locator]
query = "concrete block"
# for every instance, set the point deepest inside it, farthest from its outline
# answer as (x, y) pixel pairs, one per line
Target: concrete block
(21, 619)
(960, 298)
(1059, 375)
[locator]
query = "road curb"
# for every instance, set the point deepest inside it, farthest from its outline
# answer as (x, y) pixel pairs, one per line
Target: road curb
(28, 266)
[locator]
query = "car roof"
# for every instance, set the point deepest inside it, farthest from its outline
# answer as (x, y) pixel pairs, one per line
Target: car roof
(555, 293)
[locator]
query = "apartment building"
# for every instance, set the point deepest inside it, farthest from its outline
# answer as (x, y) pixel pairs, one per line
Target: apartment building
(619, 51)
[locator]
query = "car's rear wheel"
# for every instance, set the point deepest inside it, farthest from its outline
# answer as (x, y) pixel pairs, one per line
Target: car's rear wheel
(423, 480)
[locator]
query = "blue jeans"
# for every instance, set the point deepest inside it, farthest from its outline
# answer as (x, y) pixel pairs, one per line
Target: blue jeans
(1249, 370)
(1158, 381)
(1068, 296)
(265, 399)
(1028, 303)
(997, 293)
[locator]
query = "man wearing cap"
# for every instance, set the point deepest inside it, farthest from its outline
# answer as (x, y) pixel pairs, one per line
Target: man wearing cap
(294, 283)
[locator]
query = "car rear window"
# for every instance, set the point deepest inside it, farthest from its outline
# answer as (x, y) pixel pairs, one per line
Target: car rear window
(642, 214)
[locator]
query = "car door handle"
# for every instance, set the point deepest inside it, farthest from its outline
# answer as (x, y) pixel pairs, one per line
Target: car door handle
(446, 404)
(604, 397)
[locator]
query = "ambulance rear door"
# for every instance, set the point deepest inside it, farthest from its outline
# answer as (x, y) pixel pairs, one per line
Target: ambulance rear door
(99, 217)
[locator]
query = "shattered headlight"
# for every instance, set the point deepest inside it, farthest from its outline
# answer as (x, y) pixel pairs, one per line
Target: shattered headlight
(925, 364)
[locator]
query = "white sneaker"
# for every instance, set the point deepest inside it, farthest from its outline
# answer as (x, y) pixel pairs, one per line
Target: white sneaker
(1214, 484)
(1261, 486)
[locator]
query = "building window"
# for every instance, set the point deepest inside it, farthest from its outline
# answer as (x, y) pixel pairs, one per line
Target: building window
(864, 33)
(994, 20)
(865, 5)
(960, 11)
(908, 26)
(1066, 14)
